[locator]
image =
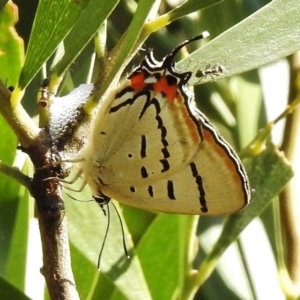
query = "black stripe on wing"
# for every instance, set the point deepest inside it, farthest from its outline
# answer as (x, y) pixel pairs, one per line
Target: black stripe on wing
(198, 180)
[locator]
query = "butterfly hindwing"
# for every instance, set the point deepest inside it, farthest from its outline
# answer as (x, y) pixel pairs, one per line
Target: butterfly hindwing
(210, 184)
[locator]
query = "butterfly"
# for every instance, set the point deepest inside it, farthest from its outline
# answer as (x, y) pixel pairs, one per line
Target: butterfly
(150, 147)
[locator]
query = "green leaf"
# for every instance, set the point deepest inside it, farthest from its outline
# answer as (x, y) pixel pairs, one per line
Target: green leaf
(248, 107)
(268, 174)
(87, 226)
(13, 220)
(2, 4)
(126, 47)
(267, 35)
(53, 21)
(10, 292)
(83, 276)
(16, 262)
(9, 190)
(95, 13)
(137, 221)
(190, 6)
(163, 251)
(11, 45)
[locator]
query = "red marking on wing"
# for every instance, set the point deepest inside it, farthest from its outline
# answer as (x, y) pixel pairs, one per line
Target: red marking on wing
(176, 101)
(162, 86)
(138, 81)
(178, 105)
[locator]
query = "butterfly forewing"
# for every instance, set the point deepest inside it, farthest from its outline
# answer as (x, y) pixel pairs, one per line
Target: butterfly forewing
(154, 138)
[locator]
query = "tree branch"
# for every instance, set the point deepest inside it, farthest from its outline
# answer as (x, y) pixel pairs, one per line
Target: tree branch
(37, 144)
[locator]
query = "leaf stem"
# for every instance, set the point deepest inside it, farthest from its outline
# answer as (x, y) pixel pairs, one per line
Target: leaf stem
(16, 174)
(18, 119)
(289, 206)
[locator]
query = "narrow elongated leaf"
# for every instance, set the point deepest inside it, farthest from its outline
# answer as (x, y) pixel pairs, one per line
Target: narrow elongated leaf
(122, 53)
(7, 291)
(268, 173)
(16, 262)
(269, 34)
(87, 226)
(86, 26)
(163, 251)
(190, 7)
(53, 21)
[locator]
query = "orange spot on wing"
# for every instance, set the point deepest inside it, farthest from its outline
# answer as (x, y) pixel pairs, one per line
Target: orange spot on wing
(162, 86)
(138, 81)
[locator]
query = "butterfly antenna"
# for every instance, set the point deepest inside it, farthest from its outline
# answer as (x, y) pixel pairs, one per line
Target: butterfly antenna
(123, 233)
(169, 58)
(105, 236)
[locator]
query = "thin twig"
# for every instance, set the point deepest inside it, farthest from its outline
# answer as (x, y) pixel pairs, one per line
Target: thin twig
(16, 174)
(289, 208)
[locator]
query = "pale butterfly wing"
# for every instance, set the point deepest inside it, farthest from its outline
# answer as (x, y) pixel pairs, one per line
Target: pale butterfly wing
(151, 148)
(211, 184)
(141, 137)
